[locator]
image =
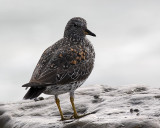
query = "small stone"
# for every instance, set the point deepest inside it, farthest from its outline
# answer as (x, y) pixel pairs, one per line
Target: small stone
(136, 110)
(96, 96)
(38, 99)
(131, 110)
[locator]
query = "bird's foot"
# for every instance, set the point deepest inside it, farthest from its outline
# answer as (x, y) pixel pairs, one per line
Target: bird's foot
(75, 116)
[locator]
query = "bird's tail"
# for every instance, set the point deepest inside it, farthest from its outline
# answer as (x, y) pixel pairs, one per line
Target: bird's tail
(34, 92)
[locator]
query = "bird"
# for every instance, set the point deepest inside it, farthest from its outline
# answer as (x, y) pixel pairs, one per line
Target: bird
(64, 66)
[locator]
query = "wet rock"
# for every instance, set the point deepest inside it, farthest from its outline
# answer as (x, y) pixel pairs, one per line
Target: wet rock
(107, 108)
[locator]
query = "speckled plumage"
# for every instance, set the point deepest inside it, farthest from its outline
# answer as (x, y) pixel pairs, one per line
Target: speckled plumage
(65, 65)
(65, 62)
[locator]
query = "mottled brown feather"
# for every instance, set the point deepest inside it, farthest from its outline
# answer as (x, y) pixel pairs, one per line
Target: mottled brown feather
(58, 64)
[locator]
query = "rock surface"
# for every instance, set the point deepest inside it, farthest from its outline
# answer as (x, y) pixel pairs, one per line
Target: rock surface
(118, 107)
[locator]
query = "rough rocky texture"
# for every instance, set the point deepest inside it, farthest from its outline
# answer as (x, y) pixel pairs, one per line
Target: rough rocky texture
(111, 107)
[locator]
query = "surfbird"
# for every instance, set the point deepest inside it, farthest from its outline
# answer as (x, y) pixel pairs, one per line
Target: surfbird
(64, 66)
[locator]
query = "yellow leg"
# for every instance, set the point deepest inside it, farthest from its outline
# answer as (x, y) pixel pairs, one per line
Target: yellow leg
(73, 107)
(59, 108)
(75, 115)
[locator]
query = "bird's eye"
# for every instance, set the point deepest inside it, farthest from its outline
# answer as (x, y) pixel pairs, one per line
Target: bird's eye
(75, 25)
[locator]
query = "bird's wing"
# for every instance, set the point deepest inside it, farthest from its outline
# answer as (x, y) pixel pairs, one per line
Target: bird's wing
(62, 66)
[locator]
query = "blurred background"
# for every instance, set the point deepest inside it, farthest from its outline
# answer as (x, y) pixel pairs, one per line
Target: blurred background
(127, 44)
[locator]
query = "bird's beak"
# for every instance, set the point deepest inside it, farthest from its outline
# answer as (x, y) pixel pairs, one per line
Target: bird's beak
(88, 32)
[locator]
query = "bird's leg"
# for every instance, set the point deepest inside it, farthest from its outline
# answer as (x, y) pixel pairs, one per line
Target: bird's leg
(75, 115)
(59, 108)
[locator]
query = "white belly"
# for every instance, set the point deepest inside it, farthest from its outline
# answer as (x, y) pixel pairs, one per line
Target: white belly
(60, 89)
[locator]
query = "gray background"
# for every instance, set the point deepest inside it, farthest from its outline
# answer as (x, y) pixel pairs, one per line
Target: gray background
(127, 44)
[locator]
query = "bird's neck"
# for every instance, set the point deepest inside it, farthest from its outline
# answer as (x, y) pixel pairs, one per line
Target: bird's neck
(74, 38)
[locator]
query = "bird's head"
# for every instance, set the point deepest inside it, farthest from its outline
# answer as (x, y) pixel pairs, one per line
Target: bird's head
(76, 28)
